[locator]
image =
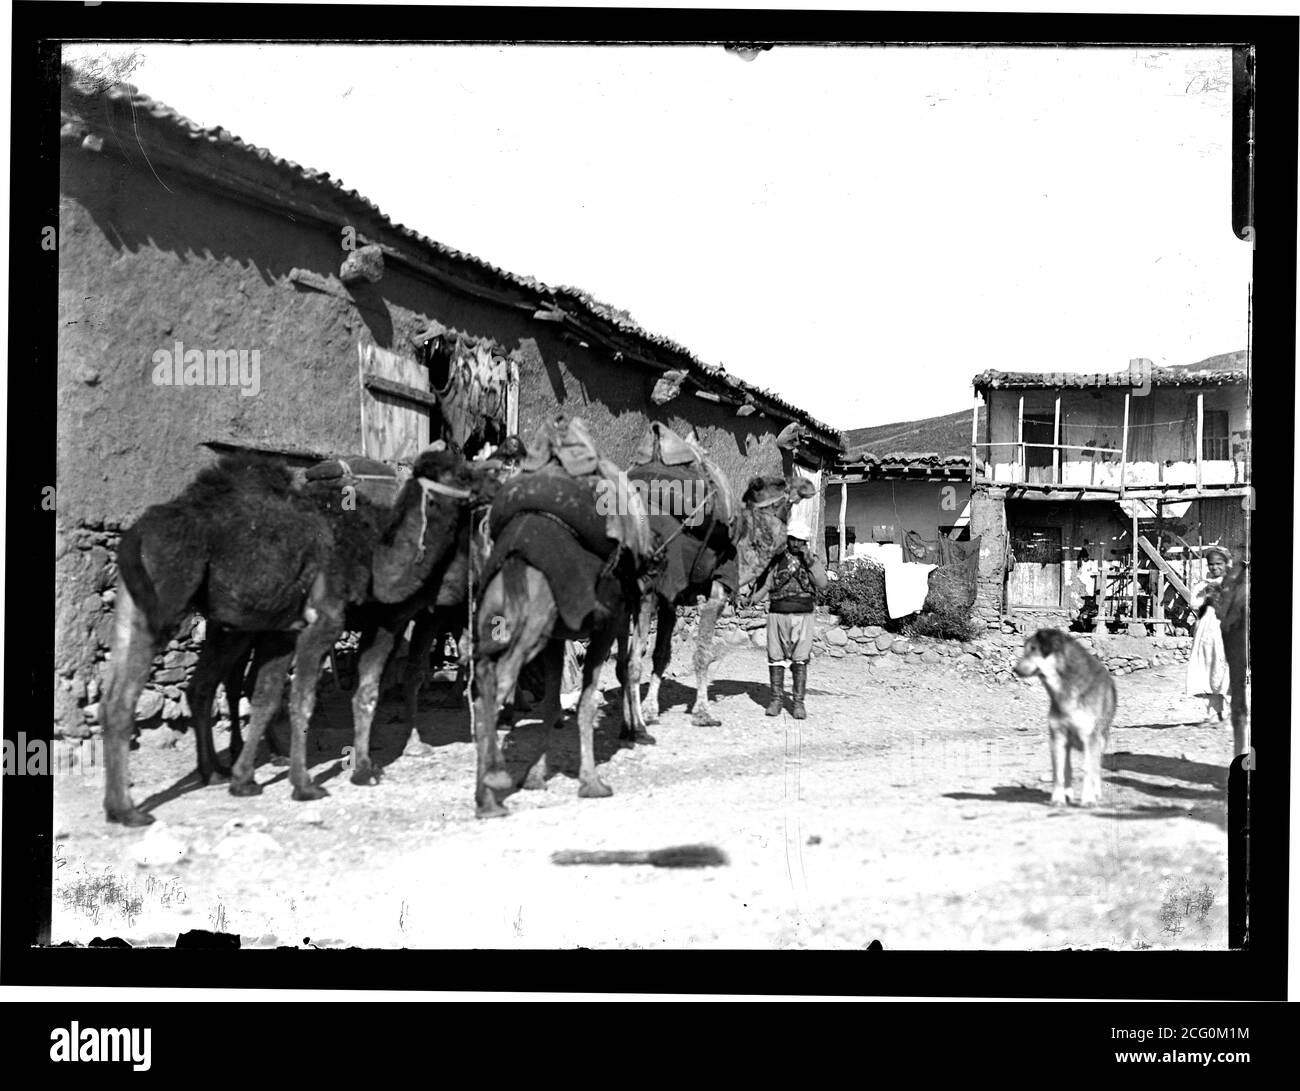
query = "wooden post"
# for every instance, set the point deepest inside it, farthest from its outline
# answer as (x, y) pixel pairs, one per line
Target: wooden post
(1200, 434)
(1133, 610)
(844, 507)
(361, 386)
(974, 437)
(1020, 441)
(1056, 441)
(1123, 449)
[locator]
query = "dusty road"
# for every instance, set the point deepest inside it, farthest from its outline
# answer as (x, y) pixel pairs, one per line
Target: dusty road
(909, 808)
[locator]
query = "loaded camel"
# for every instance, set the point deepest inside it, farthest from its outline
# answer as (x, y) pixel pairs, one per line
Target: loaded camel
(559, 570)
(710, 551)
(284, 566)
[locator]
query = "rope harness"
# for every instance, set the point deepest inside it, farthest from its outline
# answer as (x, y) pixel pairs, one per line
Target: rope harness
(431, 489)
(484, 533)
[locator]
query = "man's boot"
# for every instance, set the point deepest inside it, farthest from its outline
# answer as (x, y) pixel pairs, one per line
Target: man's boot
(799, 674)
(776, 675)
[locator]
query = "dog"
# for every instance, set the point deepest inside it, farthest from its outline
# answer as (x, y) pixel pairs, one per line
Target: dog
(1083, 700)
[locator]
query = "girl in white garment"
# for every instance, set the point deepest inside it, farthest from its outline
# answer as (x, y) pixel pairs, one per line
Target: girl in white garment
(1207, 667)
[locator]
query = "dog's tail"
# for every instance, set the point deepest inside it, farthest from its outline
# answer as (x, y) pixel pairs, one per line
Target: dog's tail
(676, 856)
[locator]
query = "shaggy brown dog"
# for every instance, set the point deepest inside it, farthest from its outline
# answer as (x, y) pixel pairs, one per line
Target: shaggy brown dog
(1082, 695)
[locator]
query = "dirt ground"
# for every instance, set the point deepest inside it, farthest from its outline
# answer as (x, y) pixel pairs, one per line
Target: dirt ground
(909, 808)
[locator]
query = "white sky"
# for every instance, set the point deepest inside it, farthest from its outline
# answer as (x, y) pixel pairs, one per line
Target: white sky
(859, 230)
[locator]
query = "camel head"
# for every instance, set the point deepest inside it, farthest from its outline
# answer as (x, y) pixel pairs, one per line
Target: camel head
(425, 522)
(760, 532)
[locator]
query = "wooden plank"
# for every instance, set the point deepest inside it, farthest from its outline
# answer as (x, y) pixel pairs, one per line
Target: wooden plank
(844, 507)
(1123, 458)
(1020, 439)
(1056, 443)
(1200, 435)
(401, 391)
(1133, 610)
(1166, 569)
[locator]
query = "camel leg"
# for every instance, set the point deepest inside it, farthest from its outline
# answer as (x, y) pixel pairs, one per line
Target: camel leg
(490, 776)
(417, 662)
(631, 658)
(314, 642)
(709, 613)
(233, 683)
(370, 670)
(551, 711)
(640, 652)
(272, 657)
(667, 620)
(222, 653)
(128, 670)
(516, 616)
(590, 786)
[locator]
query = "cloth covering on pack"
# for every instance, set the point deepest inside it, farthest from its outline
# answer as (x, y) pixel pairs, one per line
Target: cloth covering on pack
(566, 444)
(574, 574)
(551, 515)
(662, 446)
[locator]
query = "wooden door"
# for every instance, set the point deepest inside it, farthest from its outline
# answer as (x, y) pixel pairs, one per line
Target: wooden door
(396, 405)
(1035, 580)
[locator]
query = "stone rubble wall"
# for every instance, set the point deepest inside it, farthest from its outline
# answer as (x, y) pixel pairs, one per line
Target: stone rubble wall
(992, 655)
(84, 601)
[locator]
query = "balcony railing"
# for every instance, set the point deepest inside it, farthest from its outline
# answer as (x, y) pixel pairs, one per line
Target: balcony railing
(1212, 469)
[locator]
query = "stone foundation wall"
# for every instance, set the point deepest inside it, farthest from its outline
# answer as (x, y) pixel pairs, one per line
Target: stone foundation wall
(84, 602)
(992, 655)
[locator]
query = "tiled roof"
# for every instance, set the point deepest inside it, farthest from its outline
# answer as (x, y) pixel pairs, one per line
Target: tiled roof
(91, 112)
(1229, 367)
(860, 458)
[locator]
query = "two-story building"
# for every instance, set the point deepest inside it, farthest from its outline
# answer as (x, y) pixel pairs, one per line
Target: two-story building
(1096, 493)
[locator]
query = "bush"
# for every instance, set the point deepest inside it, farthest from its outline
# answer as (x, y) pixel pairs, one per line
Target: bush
(946, 622)
(858, 596)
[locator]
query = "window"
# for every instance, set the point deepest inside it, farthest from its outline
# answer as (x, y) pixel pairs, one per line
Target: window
(1214, 436)
(1039, 428)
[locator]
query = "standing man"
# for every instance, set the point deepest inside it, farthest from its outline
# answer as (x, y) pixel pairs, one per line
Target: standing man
(792, 581)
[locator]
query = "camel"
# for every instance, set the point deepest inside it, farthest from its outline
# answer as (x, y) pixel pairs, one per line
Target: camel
(560, 569)
(1234, 618)
(719, 559)
(518, 619)
(449, 614)
(256, 555)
